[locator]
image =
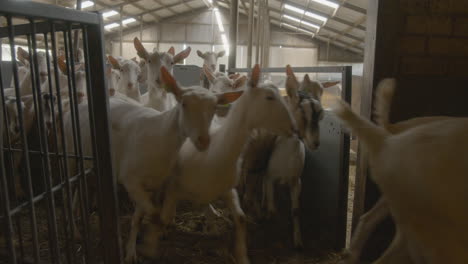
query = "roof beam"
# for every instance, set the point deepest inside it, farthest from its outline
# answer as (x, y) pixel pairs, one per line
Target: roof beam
(347, 30)
(343, 43)
(169, 8)
(156, 9)
(354, 8)
(131, 29)
(118, 10)
(346, 34)
(336, 19)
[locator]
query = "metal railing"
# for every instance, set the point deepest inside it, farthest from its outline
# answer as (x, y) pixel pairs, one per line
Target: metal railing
(39, 226)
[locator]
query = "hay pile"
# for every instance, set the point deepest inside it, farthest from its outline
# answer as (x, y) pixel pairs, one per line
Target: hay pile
(192, 238)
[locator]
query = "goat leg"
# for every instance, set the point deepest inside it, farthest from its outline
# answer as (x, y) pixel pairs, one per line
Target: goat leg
(232, 201)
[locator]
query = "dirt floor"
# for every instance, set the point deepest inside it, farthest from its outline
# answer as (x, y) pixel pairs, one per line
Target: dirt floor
(191, 239)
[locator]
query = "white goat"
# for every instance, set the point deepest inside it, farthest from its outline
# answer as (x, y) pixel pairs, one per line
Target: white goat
(368, 221)
(140, 166)
(281, 159)
(210, 59)
(422, 175)
(220, 83)
(157, 97)
(260, 106)
(128, 81)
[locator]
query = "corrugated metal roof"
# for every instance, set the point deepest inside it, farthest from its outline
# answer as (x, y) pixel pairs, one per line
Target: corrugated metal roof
(344, 26)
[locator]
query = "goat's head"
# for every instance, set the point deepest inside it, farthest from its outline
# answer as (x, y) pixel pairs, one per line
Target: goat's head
(304, 103)
(129, 72)
(197, 106)
(266, 107)
(155, 60)
(221, 83)
(25, 57)
(210, 58)
(13, 118)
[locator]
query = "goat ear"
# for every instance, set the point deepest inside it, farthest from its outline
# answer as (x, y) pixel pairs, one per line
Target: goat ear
(134, 59)
(208, 73)
(292, 85)
(171, 51)
(227, 98)
(307, 79)
(200, 54)
(62, 65)
(221, 54)
(255, 76)
(329, 84)
(114, 62)
(22, 55)
(239, 82)
(111, 92)
(171, 83)
(182, 55)
(141, 51)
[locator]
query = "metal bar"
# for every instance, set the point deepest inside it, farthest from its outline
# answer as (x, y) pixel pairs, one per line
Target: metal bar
(346, 80)
(62, 168)
(257, 47)
(121, 31)
(64, 149)
(35, 83)
(46, 171)
(24, 139)
(233, 33)
(52, 154)
(38, 198)
(107, 183)
(82, 187)
(44, 11)
(354, 8)
(25, 29)
(8, 225)
(325, 69)
(250, 33)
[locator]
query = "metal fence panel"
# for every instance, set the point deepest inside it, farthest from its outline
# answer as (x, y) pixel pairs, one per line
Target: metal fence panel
(46, 174)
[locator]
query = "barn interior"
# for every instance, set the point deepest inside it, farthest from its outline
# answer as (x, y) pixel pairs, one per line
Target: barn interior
(79, 161)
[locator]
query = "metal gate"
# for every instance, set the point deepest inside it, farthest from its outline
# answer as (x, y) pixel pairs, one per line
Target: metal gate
(38, 226)
(324, 195)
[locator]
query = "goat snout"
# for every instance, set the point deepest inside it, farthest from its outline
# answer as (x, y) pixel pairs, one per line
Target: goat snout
(130, 85)
(316, 144)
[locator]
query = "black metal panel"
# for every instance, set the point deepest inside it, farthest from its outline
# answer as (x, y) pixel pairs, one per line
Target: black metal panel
(187, 75)
(7, 74)
(323, 211)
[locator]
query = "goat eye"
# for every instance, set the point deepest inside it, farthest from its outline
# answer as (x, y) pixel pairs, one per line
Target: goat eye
(270, 98)
(184, 105)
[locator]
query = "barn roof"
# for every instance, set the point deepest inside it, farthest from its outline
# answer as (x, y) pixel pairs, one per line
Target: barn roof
(338, 22)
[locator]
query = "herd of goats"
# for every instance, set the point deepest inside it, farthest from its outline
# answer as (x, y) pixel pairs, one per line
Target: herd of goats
(235, 136)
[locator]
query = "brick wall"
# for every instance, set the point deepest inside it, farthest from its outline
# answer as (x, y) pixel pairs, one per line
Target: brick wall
(424, 44)
(430, 57)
